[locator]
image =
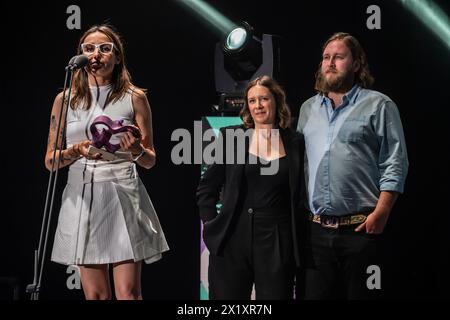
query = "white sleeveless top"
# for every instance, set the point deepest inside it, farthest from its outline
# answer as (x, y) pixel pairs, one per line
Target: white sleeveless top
(79, 121)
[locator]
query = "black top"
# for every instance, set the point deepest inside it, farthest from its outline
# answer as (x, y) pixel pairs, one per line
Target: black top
(264, 191)
(222, 183)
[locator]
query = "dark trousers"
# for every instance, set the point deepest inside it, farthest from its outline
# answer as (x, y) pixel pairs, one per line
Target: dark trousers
(259, 252)
(336, 264)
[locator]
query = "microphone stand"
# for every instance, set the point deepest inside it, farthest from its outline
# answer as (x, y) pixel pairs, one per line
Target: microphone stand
(39, 254)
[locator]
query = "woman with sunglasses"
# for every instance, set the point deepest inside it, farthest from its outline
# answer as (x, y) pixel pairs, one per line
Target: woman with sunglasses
(106, 216)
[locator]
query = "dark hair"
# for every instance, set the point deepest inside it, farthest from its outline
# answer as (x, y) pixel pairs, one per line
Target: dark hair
(283, 114)
(121, 79)
(362, 76)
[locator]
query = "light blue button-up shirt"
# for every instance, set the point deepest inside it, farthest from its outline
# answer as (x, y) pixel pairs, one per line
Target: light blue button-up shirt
(353, 152)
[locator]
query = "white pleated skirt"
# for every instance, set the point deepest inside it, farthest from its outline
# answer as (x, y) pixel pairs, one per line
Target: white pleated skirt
(106, 217)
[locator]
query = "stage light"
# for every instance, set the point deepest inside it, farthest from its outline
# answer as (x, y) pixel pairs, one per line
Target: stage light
(236, 38)
(241, 56)
(243, 52)
(431, 16)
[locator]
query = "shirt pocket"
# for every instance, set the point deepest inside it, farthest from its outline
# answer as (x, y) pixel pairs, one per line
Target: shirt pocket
(352, 130)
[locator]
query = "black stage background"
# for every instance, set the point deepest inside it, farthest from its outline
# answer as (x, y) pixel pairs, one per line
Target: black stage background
(171, 53)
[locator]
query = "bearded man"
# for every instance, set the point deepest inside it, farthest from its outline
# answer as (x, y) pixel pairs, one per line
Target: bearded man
(355, 167)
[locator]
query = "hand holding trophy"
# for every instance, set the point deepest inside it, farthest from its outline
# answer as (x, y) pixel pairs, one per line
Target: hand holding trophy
(101, 138)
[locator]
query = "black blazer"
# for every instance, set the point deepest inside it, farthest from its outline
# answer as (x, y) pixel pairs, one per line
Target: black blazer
(223, 182)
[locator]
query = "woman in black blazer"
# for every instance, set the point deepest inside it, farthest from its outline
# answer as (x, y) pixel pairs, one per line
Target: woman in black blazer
(254, 237)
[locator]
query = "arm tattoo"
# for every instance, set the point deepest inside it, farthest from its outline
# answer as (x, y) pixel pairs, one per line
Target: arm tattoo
(53, 123)
(52, 129)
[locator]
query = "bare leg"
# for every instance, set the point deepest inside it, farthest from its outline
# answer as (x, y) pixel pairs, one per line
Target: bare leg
(95, 281)
(127, 280)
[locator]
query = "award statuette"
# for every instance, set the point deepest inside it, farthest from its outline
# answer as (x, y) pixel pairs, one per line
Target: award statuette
(101, 138)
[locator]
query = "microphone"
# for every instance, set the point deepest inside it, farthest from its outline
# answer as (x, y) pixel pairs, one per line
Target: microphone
(78, 62)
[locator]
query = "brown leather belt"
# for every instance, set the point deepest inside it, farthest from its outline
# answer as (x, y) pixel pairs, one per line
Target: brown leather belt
(336, 222)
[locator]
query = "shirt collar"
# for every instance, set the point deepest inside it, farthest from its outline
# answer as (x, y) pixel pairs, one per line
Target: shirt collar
(349, 98)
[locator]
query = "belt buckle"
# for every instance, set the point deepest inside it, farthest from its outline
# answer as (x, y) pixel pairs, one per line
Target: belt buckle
(345, 221)
(357, 219)
(329, 222)
(315, 218)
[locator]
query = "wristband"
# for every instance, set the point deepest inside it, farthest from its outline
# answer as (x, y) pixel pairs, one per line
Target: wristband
(138, 156)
